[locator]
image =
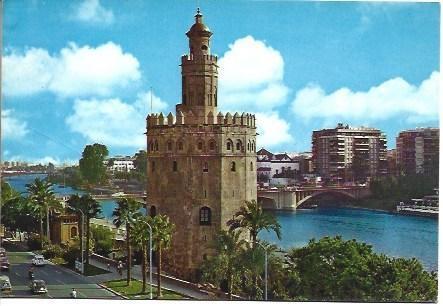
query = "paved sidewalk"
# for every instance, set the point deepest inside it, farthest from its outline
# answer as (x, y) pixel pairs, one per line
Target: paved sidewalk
(136, 273)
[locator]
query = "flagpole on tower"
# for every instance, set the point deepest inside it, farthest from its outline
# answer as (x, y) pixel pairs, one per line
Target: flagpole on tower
(151, 99)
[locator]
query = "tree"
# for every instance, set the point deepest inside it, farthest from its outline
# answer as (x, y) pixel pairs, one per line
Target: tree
(162, 230)
(252, 218)
(91, 163)
(140, 162)
(125, 214)
(91, 209)
(42, 195)
(226, 264)
(335, 270)
(140, 239)
(103, 238)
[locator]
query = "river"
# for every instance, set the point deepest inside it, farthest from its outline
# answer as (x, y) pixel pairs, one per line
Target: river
(392, 234)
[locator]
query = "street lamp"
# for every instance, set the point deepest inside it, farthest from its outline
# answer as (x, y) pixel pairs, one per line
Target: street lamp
(266, 269)
(150, 258)
(83, 233)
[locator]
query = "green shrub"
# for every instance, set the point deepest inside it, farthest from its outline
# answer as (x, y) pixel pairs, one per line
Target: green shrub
(71, 254)
(36, 243)
(58, 261)
(53, 250)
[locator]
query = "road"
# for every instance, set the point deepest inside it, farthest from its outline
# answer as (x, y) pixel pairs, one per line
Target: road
(59, 280)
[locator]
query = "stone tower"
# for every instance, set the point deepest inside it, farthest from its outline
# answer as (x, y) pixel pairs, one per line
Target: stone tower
(201, 164)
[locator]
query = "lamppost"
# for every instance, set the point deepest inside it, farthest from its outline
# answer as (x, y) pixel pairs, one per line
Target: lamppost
(150, 258)
(266, 269)
(83, 232)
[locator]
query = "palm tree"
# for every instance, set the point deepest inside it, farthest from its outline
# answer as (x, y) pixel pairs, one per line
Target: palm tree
(125, 213)
(252, 218)
(226, 265)
(162, 230)
(91, 209)
(42, 195)
(140, 239)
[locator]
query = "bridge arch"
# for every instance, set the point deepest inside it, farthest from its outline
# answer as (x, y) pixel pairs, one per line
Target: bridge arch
(320, 192)
(267, 203)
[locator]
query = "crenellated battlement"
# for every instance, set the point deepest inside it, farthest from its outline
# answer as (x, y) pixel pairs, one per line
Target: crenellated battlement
(189, 118)
(198, 58)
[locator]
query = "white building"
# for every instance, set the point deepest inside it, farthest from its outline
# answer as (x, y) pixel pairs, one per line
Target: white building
(276, 169)
(120, 164)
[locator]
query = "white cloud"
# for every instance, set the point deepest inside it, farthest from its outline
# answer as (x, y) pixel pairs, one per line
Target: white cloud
(143, 103)
(75, 71)
(251, 76)
(272, 130)
(42, 160)
(12, 128)
(391, 98)
(90, 11)
(111, 121)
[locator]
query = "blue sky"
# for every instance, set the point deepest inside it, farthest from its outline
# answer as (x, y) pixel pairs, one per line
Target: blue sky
(79, 72)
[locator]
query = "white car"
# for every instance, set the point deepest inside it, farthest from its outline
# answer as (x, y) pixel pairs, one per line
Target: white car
(38, 260)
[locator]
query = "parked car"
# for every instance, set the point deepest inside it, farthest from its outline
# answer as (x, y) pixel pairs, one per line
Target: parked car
(38, 260)
(4, 263)
(5, 284)
(38, 286)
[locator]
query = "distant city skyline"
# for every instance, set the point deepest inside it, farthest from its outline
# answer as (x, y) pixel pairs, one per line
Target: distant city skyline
(81, 72)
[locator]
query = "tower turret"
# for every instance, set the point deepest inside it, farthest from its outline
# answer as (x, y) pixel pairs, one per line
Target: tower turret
(199, 73)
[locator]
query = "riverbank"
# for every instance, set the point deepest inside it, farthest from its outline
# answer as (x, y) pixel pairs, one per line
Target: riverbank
(382, 205)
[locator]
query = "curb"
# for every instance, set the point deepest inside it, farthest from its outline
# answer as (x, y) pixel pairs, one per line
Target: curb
(114, 292)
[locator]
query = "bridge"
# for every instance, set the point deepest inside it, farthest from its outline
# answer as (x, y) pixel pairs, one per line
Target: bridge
(293, 198)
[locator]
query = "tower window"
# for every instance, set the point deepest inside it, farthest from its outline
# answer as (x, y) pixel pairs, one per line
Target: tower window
(169, 146)
(180, 146)
(205, 167)
(205, 216)
(212, 145)
(204, 47)
(233, 166)
(249, 146)
(174, 166)
(229, 145)
(156, 145)
(238, 145)
(152, 211)
(251, 166)
(200, 145)
(152, 166)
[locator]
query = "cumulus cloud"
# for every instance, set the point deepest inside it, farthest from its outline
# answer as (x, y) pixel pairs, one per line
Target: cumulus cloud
(111, 121)
(391, 98)
(143, 103)
(272, 130)
(251, 76)
(75, 71)
(251, 80)
(12, 128)
(91, 11)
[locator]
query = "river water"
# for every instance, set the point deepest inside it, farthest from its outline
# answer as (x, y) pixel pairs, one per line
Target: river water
(392, 234)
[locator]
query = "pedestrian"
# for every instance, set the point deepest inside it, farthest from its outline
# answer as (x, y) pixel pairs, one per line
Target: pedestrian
(73, 293)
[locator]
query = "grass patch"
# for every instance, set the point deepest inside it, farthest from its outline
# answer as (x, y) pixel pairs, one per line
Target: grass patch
(134, 290)
(91, 270)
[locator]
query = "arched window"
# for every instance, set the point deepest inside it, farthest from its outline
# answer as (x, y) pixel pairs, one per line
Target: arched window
(152, 166)
(73, 232)
(238, 145)
(200, 145)
(233, 166)
(249, 146)
(251, 167)
(205, 216)
(229, 145)
(180, 146)
(205, 167)
(152, 211)
(169, 146)
(174, 166)
(156, 145)
(151, 146)
(212, 145)
(253, 146)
